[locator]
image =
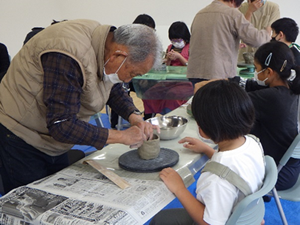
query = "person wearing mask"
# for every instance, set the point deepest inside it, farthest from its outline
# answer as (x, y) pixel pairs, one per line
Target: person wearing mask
(275, 96)
(50, 91)
(261, 13)
(216, 32)
(177, 53)
(286, 30)
(147, 20)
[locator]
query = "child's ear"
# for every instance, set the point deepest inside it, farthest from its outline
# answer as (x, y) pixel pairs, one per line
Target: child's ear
(202, 133)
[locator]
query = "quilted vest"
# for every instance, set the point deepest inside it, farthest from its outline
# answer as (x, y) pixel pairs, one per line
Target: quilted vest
(22, 110)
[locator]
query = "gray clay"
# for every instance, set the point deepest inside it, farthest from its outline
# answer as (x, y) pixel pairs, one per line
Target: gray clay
(150, 149)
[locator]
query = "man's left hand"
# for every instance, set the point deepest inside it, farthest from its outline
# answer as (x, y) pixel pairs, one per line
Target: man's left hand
(147, 128)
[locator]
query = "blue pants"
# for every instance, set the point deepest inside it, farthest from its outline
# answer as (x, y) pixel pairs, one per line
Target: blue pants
(21, 163)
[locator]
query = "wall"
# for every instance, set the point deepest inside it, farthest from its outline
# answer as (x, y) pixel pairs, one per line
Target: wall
(19, 16)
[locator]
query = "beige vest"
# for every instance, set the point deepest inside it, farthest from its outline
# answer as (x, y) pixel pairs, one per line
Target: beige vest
(22, 109)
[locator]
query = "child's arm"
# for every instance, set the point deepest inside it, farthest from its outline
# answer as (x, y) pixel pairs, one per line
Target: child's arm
(196, 145)
(175, 184)
(173, 55)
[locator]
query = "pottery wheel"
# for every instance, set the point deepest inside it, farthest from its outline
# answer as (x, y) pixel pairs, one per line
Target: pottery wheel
(131, 161)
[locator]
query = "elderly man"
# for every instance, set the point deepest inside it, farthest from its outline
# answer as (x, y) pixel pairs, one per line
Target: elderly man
(60, 78)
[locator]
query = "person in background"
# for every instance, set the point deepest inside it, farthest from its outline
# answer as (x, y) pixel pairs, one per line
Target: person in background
(261, 13)
(36, 30)
(57, 82)
(215, 196)
(177, 53)
(286, 30)
(4, 60)
(216, 32)
(274, 63)
(145, 19)
(128, 87)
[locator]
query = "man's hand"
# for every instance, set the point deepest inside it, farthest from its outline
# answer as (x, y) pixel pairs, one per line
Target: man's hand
(146, 128)
(252, 7)
(132, 136)
(255, 5)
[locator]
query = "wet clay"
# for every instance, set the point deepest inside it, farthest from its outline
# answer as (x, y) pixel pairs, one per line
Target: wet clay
(150, 149)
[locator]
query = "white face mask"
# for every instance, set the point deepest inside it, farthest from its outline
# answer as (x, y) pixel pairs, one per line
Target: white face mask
(113, 77)
(260, 82)
(179, 44)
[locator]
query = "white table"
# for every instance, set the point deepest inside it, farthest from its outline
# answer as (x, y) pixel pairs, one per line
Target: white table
(81, 194)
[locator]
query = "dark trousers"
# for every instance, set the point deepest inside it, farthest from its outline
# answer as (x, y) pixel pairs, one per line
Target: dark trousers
(176, 216)
(288, 175)
(196, 80)
(21, 164)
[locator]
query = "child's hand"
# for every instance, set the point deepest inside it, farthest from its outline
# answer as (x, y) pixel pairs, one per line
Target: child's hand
(173, 55)
(172, 180)
(193, 144)
(198, 146)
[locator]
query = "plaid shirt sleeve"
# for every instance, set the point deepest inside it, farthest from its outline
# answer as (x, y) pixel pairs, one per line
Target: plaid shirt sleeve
(121, 102)
(63, 82)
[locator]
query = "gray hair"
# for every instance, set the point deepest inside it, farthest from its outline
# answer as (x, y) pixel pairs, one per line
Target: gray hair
(142, 41)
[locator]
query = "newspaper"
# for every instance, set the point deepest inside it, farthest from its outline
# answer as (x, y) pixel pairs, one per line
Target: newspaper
(81, 195)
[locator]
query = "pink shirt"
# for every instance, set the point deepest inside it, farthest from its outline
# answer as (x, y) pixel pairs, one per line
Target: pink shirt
(184, 52)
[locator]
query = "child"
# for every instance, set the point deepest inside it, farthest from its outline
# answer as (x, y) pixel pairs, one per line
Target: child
(225, 114)
(178, 52)
(286, 30)
(275, 95)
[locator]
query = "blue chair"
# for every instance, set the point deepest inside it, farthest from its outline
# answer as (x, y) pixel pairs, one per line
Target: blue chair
(251, 209)
(292, 194)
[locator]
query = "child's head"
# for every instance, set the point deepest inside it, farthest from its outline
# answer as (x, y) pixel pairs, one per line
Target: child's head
(223, 110)
(179, 31)
(278, 57)
(288, 27)
(145, 19)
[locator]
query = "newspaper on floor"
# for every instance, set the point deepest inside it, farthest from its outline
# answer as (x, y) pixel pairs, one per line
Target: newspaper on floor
(81, 195)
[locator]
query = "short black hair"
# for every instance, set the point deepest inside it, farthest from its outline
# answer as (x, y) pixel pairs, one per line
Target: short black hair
(223, 110)
(280, 59)
(145, 19)
(288, 26)
(237, 2)
(179, 30)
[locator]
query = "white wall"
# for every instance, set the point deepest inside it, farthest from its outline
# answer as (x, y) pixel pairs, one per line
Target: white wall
(18, 16)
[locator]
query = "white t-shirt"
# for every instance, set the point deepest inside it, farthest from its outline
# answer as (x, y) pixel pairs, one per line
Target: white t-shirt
(218, 195)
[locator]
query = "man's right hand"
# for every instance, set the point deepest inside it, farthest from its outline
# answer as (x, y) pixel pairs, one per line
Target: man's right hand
(133, 136)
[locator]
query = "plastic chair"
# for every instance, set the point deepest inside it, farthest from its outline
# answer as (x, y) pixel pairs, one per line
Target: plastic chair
(97, 118)
(251, 209)
(292, 194)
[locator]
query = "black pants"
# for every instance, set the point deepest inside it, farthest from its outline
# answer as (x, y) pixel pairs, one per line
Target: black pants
(21, 163)
(288, 175)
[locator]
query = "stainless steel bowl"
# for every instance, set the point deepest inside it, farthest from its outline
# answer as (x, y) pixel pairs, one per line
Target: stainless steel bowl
(170, 126)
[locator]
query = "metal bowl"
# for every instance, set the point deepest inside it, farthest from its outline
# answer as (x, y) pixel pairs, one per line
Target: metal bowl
(170, 126)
